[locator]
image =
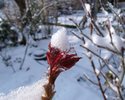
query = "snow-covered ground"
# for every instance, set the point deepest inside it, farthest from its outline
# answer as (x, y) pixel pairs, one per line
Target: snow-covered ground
(8, 78)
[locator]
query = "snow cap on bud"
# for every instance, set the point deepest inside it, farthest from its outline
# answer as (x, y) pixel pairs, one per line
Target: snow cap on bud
(60, 40)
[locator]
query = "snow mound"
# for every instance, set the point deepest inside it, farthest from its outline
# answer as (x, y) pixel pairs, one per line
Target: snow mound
(60, 40)
(33, 92)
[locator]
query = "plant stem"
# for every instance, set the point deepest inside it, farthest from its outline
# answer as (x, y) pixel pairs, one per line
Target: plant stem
(49, 90)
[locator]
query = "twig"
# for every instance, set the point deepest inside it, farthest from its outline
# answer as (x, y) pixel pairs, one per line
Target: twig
(123, 66)
(118, 17)
(110, 34)
(29, 33)
(81, 32)
(46, 6)
(99, 82)
(90, 80)
(6, 62)
(24, 57)
(81, 38)
(100, 58)
(120, 94)
(106, 48)
(96, 27)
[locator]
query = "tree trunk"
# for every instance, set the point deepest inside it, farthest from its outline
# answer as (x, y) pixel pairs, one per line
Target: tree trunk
(22, 6)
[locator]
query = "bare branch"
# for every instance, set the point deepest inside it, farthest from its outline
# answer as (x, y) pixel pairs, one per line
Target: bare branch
(99, 82)
(99, 58)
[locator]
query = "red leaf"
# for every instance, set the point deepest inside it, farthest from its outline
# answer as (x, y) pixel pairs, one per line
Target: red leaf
(59, 61)
(69, 62)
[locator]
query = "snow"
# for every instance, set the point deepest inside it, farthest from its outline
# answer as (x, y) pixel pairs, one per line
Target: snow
(104, 12)
(1, 20)
(88, 8)
(106, 41)
(32, 92)
(77, 17)
(101, 41)
(91, 46)
(60, 40)
(112, 30)
(97, 71)
(118, 42)
(32, 71)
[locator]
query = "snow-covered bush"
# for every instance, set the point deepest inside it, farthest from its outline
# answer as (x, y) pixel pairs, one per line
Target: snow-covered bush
(60, 59)
(104, 47)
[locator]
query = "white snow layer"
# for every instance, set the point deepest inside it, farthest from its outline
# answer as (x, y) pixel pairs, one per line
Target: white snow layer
(60, 40)
(117, 41)
(33, 92)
